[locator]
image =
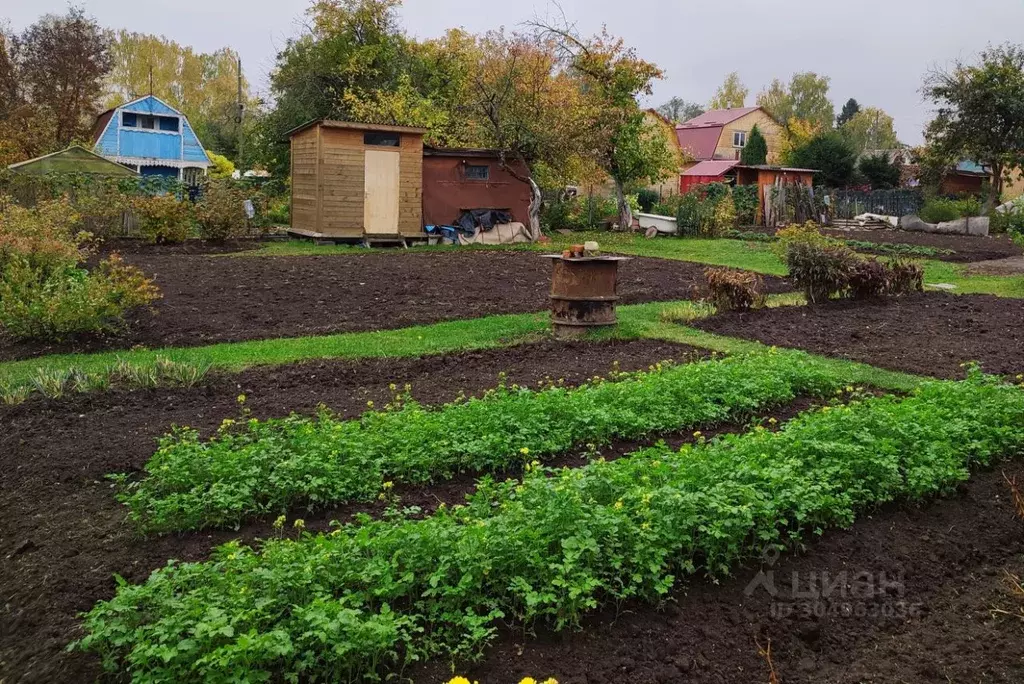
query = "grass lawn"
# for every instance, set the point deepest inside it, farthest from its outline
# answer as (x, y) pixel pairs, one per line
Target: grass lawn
(656, 320)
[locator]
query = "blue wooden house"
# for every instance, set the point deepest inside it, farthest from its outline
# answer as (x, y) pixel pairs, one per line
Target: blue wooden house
(151, 137)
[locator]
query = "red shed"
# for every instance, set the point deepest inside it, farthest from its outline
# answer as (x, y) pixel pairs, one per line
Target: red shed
(458, 180)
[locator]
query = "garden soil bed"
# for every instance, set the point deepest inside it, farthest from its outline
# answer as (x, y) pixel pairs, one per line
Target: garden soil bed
(211, 299)
(927, 334)
(929, 618)
(62, 534)
(967, 248)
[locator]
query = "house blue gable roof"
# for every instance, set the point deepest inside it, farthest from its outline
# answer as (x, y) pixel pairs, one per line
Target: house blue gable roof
(171, 142)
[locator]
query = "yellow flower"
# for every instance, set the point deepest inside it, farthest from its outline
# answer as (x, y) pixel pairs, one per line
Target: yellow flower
(389, 485)
(645, 526)
(550, 680)
(527, 680)
(525, 451)
(698, 433)
(241, 398)
(299, 524)
(772, 421)
(458, 680)
(279, 523)
(618, 504)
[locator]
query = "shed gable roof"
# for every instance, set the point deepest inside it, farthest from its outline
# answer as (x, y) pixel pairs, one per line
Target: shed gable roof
(718, 117)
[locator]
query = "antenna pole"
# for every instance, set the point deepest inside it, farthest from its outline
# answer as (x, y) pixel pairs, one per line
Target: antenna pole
(238, 119)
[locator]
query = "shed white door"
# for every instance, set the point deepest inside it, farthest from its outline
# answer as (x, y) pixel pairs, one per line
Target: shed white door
(381, 185)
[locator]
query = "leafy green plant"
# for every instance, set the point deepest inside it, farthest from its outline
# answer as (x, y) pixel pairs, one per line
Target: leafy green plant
(264, 467)
(941, 209)
(53, 383)
(35, 304)
(374, 595)
(646, 199)
(13, 394)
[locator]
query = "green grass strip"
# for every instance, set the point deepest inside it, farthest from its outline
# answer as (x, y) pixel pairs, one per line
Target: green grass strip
(269, 467)
(370, 597)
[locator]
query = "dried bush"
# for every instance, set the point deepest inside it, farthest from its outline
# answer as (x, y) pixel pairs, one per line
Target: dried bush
(822, 270)
(732, 290)
(221, 211)
(162, 218)
(869, 279)
(905, 277)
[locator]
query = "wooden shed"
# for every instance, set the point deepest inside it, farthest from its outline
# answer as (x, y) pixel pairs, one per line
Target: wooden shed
(358, 181)
(458, 180)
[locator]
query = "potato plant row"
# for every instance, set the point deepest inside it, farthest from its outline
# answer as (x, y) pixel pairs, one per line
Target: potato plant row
(373, 596)
(260, 468)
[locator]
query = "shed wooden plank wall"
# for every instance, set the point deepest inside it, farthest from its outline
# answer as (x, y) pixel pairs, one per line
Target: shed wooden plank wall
(304, 179)
(341, 181)
(410, 197)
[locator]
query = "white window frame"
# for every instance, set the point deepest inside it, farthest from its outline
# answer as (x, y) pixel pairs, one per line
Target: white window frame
(742, 135)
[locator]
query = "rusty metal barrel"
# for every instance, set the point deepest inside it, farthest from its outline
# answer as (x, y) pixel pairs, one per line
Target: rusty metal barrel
(583, 293)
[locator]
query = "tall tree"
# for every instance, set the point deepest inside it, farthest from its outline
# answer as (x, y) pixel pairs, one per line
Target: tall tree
(611, 76)
(731, 94)
(62, 60)
(777, 101)
(527, 108)
(756, 150)
(806, 98)
(880, 171)
(850, 110)
(678, 110)
(981, 112)
(352, 46)
(871, 130)
(829, 153)
(203, 86)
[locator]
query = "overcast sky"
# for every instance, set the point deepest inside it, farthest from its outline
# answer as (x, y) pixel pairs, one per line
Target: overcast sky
(874, 50)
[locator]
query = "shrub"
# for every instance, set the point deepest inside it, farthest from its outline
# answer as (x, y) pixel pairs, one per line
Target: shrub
(220, 211)
(1010, 222)
(162, 218)
(724, 217)
(745, 197)
(819, 264)
(37, 304)
(578, 213)
(646, 199)
(905, 277)
(941, 209)
(732, 290)
(688, 216)
(869, 279)
(45, 238)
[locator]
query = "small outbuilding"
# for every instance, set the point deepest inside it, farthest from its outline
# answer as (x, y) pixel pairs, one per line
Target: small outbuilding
(75, 159)
(357, 181)
(456, 181)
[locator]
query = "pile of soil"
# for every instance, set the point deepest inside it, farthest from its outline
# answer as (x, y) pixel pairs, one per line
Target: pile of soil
(63, 535)
(209, 299)
(927, 334)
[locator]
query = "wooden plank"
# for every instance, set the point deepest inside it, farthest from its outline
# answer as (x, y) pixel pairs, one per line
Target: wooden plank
(380, 211)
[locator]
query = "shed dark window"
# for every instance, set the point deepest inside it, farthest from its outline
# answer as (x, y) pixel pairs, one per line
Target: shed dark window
(129, 120)
(381, 139)
(478, 172)
(168, 123)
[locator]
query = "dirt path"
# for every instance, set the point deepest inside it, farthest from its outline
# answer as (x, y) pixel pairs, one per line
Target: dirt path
(210, 299)
(929, 334)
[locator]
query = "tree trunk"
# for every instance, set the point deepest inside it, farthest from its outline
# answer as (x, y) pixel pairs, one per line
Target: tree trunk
(625, 211)
(995, 189)
(536, 199)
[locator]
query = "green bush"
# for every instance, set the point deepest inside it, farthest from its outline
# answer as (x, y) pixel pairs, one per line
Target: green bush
(220, 211)
(371, 597)
(163, 218)
(646, 199)
(940, 209)
(54, 305)
(266, 467)
(1009, 222)
(579, 213)
(745, 197)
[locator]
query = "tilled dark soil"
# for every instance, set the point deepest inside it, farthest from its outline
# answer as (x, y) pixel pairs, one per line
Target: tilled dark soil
(210, 299)
(924, 582)
(966, 248)
(927, 334)
(62, 534)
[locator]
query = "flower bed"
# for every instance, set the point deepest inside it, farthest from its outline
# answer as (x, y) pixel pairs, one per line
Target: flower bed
(372, 596)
